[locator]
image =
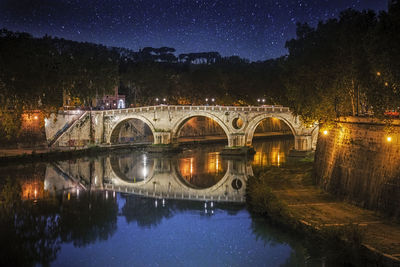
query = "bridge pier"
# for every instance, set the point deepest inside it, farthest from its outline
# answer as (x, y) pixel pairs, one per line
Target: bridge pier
(162, 138)
(303, 142)
(237, 145)
(303, 145)
(163, 143)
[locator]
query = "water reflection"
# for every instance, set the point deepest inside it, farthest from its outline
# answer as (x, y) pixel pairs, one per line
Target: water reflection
(195, 175)
(33, 230)
(132, 167)
(83, 210)
(202, 169)
(272, 153)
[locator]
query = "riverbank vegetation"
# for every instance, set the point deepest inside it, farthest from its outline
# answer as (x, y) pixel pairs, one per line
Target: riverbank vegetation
(348, 65)
(286, 196)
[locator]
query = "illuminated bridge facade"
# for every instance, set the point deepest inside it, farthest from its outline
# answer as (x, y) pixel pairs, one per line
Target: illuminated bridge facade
(166, 122)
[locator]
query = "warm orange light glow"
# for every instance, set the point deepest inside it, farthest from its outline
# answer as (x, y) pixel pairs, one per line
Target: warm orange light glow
(278, 159)
(389, 139)
(378, 73)
(386, 84)
(33, 189)
(325, 132)
(191, 167)
(36, 117)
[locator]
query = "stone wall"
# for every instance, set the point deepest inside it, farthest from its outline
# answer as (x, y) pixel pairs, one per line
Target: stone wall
(356, 161)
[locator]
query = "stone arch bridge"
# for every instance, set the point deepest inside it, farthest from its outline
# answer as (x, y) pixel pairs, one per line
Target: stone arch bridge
(79, 128)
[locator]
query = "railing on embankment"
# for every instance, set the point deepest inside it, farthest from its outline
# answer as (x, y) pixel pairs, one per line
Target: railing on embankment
(66, 128)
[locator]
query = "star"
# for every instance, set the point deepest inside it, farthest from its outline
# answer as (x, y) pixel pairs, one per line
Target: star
(253, 29)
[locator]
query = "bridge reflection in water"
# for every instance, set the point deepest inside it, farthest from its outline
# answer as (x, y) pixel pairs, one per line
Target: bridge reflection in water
(201, 174)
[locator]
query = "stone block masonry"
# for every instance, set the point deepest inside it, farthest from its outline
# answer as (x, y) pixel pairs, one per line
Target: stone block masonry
(166, 123)
(355, 160)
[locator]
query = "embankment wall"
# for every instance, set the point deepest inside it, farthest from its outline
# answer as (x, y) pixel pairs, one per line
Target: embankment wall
(356, 161)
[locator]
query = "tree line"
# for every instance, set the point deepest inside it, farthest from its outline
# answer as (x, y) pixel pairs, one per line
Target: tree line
(349, 65)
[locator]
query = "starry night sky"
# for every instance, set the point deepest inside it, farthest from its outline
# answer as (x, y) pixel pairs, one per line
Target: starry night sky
(253, 29)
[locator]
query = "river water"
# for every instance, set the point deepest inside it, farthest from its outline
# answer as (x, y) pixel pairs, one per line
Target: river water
(130, 208)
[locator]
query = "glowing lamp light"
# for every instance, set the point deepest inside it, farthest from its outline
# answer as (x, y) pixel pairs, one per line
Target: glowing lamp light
(325, 132)
(35, 117)
(378, 73)
(389, 139)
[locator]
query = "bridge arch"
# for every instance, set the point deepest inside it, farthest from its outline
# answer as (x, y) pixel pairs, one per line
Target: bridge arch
(220, 183)
(253, 123)
(147, 170)
(115, 130)
(177, 127)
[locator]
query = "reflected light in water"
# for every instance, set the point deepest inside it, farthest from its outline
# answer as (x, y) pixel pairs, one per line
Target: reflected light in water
(33, 189)
(144, 171)
(275, 156)
(191, 167)
(278, 159)
(213, 163)
(202, 171)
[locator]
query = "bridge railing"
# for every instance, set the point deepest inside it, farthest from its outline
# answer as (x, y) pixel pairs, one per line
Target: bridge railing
(69, 125)
(269, 108)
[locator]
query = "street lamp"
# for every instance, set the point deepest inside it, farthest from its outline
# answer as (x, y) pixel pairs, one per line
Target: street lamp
(213, 100)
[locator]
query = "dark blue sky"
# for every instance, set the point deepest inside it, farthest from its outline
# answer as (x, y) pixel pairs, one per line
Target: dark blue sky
(253, 29)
